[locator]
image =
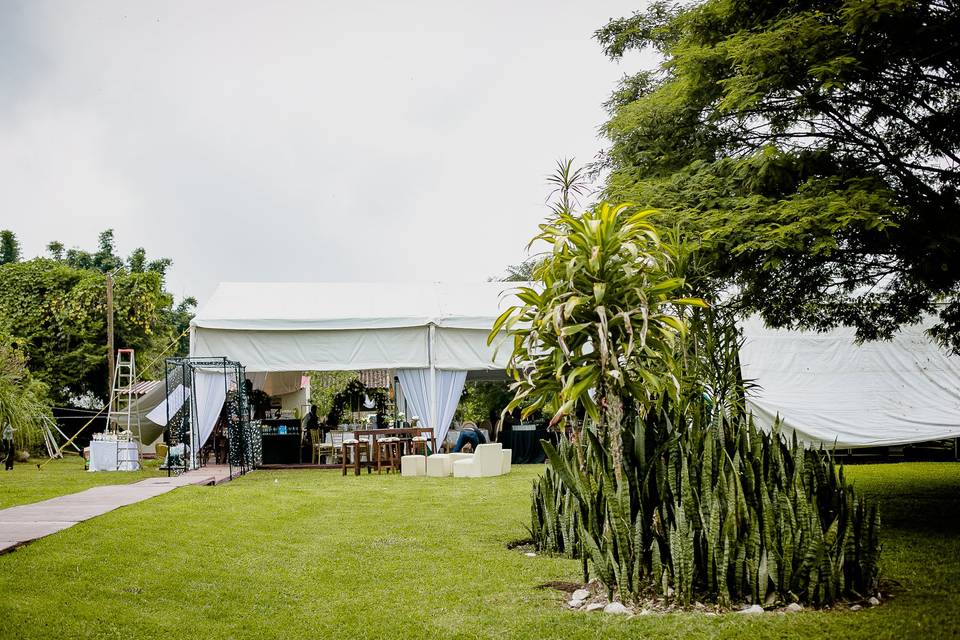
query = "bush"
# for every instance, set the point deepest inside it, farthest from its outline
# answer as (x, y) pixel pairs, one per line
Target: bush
(727, 513)
(666, 483)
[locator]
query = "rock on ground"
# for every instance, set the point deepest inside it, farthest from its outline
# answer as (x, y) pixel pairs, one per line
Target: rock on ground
(754, 608)
(856, 607)
(580, 594)
(575, 603)
(595, 606)
(616, 608)
(794, 607)
(873, 602)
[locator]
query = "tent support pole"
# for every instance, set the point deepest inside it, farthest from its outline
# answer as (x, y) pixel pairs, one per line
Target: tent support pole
(433, 381)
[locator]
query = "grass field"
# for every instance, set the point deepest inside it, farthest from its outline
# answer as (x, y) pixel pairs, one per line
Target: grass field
(290, 554)
(26, 484)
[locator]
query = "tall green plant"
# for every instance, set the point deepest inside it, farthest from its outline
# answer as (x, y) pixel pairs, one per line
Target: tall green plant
(23, 399)
(669, 486)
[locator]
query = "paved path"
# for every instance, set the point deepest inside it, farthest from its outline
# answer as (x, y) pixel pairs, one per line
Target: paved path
(28, 522)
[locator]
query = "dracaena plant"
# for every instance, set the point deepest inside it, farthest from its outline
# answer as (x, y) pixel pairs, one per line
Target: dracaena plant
(602, 326)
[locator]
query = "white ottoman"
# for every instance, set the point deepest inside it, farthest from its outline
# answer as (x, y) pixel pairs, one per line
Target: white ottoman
(413, 466)
(507, 460)
(439, 465)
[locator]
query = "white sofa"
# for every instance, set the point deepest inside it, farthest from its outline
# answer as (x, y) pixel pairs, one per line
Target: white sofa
(489, 460)
(440, 465)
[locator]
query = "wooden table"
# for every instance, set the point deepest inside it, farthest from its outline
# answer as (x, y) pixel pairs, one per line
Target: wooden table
(402, 431)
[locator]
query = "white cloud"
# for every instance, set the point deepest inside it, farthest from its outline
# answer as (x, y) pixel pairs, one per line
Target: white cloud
(297, 141)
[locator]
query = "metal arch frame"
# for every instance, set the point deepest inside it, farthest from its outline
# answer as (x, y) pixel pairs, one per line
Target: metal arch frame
(182, 426)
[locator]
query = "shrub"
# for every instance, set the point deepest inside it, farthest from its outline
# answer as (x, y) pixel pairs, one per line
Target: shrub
(666, 484)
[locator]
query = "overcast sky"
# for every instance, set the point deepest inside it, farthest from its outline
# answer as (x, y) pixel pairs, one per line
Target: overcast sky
(282, 141)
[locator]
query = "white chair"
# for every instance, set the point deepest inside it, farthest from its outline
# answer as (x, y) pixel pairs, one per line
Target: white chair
(413, 465)
(486, 462)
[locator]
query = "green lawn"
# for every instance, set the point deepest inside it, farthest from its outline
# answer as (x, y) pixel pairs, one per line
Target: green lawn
(58, 477)
(311, 554)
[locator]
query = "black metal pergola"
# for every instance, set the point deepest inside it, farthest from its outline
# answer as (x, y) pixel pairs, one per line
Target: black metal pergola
(243, 445)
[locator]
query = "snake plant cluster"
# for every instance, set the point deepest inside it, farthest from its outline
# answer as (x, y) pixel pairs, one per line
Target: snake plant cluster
(661, 483)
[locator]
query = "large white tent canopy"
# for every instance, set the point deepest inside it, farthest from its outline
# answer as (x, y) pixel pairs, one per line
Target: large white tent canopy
(432, 334)
(823, 386)
(353, 326)
(832, 391)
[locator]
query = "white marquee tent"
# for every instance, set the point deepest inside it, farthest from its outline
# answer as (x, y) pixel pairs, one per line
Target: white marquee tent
(431, 334)
(832, 391)
(823, 386)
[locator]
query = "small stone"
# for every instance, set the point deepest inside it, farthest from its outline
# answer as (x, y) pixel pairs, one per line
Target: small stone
(752, 609)
(669, 592)
(873, 602)
(530, 554)
(580, 594)
(794, 607)
(616, 608)
(595, 606)
(856, 607)
(575, 603)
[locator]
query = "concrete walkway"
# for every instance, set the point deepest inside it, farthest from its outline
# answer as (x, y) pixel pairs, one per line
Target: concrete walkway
(28, 522)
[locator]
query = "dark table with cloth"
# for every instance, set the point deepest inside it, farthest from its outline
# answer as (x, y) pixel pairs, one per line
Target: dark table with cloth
(523, 440)
(281, 441)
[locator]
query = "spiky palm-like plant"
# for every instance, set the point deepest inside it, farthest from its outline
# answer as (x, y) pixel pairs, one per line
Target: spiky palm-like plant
(668, 484)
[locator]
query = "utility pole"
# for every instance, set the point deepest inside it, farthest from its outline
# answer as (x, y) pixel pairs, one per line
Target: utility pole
(110, 352)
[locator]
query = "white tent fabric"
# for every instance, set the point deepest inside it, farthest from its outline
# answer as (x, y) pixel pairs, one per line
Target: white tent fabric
(169, 406)
(416, 391)
(449, 390)
(830, 390)
(210, 391)
(276, 384)
(444, 398)
(826, 388)
(142, 407)
(353, 326)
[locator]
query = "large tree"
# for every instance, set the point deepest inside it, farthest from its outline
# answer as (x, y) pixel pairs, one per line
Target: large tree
(56, 309)
(813, 148)
(9, 247)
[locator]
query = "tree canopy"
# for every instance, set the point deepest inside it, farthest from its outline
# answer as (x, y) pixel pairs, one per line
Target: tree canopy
(9, 247)
(56, 309)
(812, 148)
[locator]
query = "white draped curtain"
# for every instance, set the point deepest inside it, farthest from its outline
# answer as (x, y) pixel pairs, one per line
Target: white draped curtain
(449, 389)
(209, 392)
(435, 407)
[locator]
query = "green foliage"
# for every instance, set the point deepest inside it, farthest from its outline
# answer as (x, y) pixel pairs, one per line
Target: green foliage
(57, 310)
(483, 400)
(55, 249)
(603, 319)
(9, 247)
(326, 385)
(339, 393)
(24, 402)
(668, 485)
(812, 149)
(720, 512)
(439, 542)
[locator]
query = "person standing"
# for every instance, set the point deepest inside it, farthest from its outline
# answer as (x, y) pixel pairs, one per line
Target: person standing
(7, 437)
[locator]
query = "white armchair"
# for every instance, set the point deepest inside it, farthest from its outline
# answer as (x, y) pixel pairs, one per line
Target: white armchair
(486, 462)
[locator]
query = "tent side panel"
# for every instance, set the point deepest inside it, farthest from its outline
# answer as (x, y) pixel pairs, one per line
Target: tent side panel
(326, 350)
(829, 389)
(467, 350)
